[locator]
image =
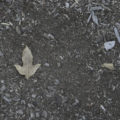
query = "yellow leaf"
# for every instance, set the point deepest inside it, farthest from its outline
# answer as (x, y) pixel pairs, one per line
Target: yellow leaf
(28, 69)
(108, 66)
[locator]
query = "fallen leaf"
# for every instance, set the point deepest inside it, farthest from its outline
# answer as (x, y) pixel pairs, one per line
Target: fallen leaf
(89, 18)
(7, 24)
(94, 18)
(28, 69)
(117, 34)
(109, 66)
(109, 45)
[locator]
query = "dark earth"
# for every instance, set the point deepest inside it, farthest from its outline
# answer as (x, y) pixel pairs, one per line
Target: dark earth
(70, 84)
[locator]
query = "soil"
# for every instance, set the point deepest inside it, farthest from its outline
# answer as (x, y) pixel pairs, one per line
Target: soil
(70, 84)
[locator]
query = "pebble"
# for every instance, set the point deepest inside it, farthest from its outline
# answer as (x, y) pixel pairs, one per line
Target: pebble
(19, 112)
(2, 81)
(23, 102)
(1, 54)
(76, 102)
(11, 91)
(58, 64)
(103, 108)
(35, 81)
(33, 95)
(3, 88)
(76, 114)
(58, 100)
(37, 114)
(51, 36)
(18, 30)
(30, 105)
(57, 82)
(83, 118)
(67, 5)
(47, 64)
(44, 114)
(32, 115)
(61, 57)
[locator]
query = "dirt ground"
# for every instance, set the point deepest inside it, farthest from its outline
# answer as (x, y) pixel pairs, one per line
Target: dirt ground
(70, 84)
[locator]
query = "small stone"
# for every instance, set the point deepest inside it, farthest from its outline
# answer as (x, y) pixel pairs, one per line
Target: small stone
(37, 115)
(2, 81)
(44, 114)
(3, 88)
(67, 5)
(33, 95)
(7, 27)
(32, 115)
(76, 102)
(103, 108)
(82, 118)
(1, 54)
(35, 81)
(30, 105)
(19, 112)
(47, 64)
(51, 36)
(58, 64)
(18, 30)
(58, 100)
(76, 114)
(11, 91)
(57, 82)
(23, 102)
(61, 57)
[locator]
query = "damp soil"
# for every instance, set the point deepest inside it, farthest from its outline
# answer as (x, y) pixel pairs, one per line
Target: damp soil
(70, 84)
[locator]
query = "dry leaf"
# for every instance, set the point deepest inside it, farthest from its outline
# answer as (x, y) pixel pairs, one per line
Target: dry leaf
(94, 17)
(109, 45)
(117, 34)
(28, 69)
(108, 65)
